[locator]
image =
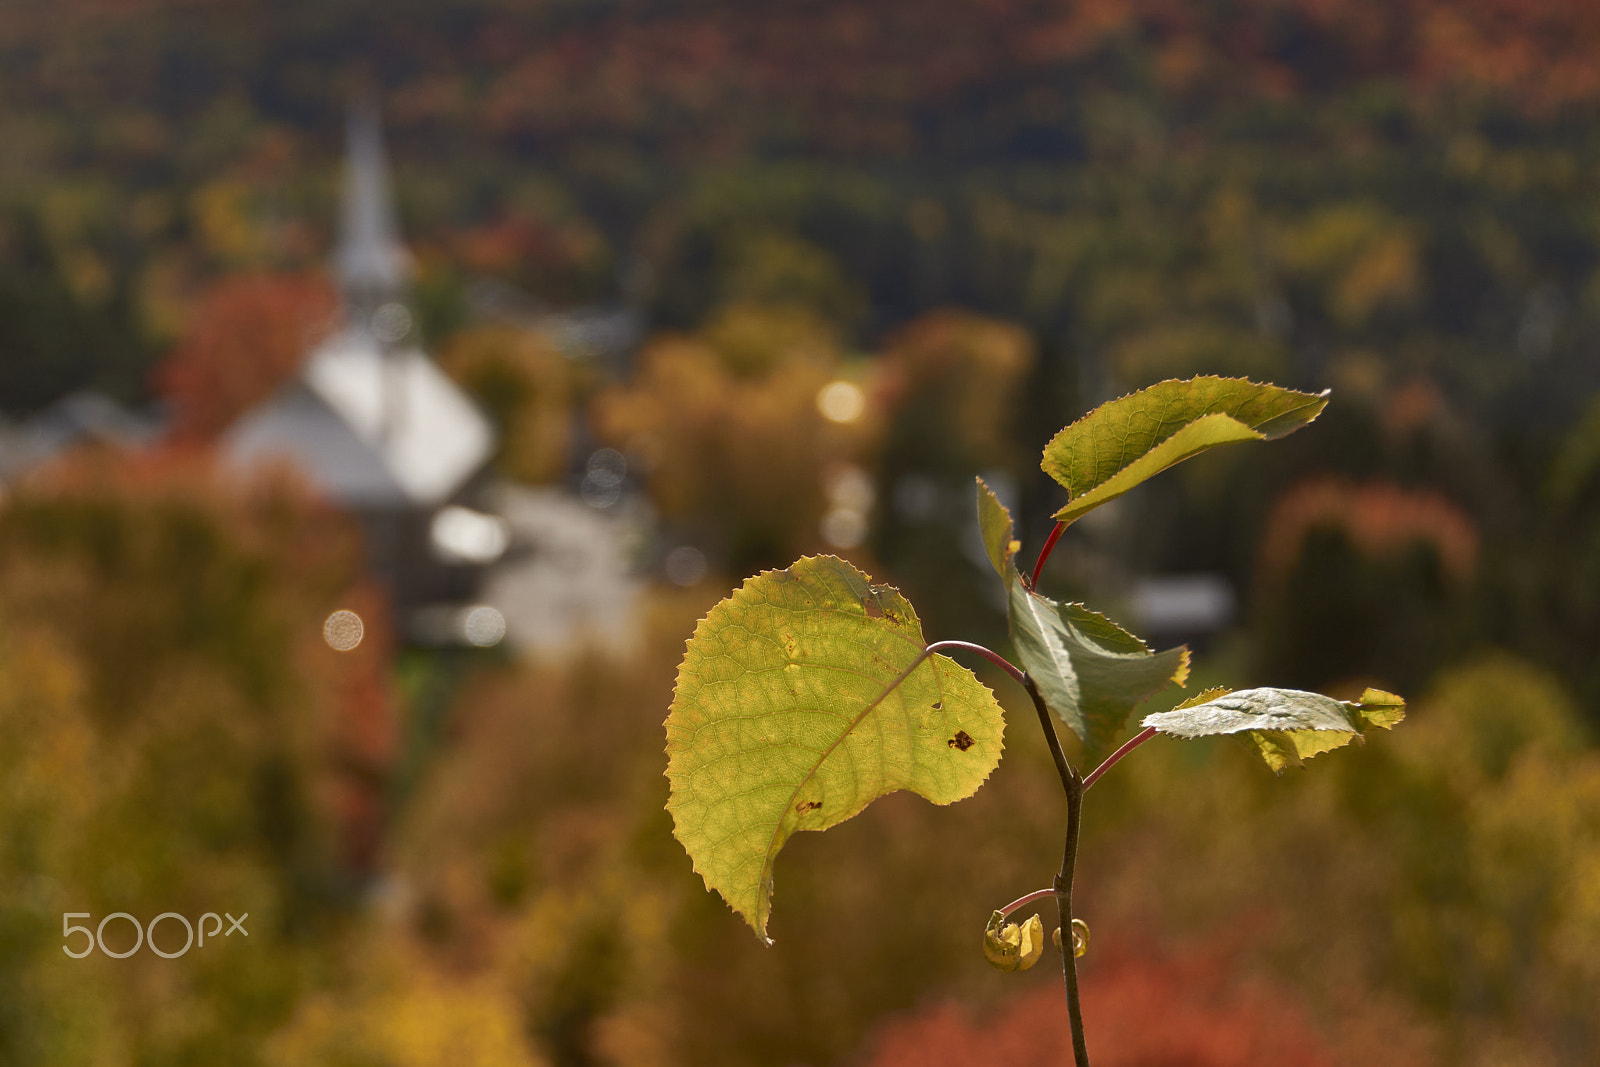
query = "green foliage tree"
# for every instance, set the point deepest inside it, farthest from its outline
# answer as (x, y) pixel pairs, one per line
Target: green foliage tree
(810, 692)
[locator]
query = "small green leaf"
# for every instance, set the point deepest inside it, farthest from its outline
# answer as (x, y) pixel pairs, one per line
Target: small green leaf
(1011, 947)
(797, 705)
(1120, 444)
(1090, 671)
(1377, 708)
(1285, 726)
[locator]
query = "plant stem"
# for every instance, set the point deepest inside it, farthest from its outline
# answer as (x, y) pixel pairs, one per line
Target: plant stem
(1131, 744)
(1044, 554)
(1063, 768)
(967, 646)
(1072, 784)
(1069, 959)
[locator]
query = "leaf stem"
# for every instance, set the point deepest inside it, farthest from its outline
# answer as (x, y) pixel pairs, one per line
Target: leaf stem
(1132, 743)
(1044, 554)
(987, 653)
(1073, 785)
(1026, 899)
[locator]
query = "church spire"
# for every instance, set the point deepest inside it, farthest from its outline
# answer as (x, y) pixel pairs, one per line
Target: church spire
(372, 265)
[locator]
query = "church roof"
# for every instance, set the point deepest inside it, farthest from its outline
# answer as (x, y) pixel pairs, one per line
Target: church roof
(369, 427)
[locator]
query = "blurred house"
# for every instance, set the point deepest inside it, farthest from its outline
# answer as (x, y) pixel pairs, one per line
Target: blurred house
(607, 334)
(374, 424)
(81, 418)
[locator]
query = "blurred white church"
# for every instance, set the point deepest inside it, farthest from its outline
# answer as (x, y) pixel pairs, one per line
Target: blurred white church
(376, 426)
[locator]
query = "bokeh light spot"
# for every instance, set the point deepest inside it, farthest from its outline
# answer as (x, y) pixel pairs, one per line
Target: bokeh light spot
(844, 527)
(602, 484)
(484, 626)
(841, 401)
(685, 565)
(391, 322)
(343, 631)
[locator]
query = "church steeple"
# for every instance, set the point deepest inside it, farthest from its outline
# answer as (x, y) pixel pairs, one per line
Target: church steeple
(372, 265)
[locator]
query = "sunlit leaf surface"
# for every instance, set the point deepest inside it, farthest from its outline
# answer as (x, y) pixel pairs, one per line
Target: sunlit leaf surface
(1286, 726)
(1120, 444)
(797, 705)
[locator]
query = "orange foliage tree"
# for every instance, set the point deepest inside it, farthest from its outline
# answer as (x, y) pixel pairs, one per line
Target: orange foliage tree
(1210, 1015)
(248, 337)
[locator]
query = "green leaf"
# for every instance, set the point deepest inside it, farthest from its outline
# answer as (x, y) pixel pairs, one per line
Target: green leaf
(800, 700)
(1285, 726)
(1090, 671)
(1120, 444)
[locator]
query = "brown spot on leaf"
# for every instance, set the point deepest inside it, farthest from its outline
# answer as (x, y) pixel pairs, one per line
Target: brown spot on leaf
(807, 805)
(937, 704)
(870, 605)
(962, 740)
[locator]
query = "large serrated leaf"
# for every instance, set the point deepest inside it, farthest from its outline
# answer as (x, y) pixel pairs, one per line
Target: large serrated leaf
(1090, 671)
(1122, 443)
(1285, 726)
(797, 705)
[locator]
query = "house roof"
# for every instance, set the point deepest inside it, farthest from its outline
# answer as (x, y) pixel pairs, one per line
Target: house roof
(79, 417)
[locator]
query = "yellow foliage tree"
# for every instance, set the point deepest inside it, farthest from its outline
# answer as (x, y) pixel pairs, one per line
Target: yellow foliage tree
(173, 724)
(529, 389)
(728, 424)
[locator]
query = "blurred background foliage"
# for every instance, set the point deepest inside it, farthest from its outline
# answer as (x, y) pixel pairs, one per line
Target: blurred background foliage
(986, 216)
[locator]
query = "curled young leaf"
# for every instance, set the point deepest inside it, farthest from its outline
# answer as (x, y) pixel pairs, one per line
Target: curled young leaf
(1080, 937)
(1120, 444)
(1013, 947)
(1090, 671)
(1285, 726)
(802, 698)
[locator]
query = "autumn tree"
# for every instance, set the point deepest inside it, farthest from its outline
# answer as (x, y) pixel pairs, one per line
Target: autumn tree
(248, 337)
